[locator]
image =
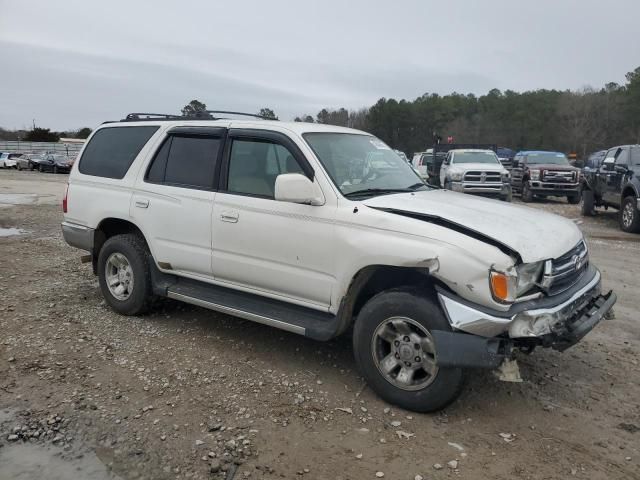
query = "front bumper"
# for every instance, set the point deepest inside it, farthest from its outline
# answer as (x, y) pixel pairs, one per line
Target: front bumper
(553, 188)
(488, 188)
(557, 322)
(78, 236)
(528, 319)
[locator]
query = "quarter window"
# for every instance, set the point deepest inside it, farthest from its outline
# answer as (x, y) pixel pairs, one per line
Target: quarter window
(255, 164)
(111, 151)
(185, 161)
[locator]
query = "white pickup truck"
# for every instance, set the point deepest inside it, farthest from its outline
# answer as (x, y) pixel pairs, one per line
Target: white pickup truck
(289, 224)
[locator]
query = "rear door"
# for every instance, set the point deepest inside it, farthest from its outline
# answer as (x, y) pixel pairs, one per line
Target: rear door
(173, 199)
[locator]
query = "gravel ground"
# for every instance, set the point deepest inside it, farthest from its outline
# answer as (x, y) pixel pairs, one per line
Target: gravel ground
(184, 392)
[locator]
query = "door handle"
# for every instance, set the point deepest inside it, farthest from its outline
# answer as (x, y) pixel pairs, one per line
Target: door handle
(144, 203)
(231, 217)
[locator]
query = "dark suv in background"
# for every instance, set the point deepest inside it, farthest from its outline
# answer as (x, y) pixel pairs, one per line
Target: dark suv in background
(615, 183)
(540, 173)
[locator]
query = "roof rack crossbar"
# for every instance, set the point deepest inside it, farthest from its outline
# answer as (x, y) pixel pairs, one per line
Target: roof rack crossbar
(202, 115)
(226, 112)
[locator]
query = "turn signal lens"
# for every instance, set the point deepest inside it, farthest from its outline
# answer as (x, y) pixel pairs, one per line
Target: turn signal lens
(500, 286)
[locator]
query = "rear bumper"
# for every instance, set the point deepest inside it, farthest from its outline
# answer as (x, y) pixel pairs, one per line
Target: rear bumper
(78, 236)
(483, 188)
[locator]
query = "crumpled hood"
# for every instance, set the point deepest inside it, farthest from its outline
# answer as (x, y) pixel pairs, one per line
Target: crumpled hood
(535, 235)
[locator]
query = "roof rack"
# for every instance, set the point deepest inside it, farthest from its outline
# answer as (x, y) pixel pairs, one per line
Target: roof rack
(203, 115)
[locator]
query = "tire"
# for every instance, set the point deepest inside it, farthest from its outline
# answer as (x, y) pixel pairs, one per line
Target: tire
(18, 167)
(40, 168)
(573, 199)
(527, 196)
(508, 197)
(431, 392)
(135, 252)
(629, 216)
(31, 167)
(447, 185)
(55, 169)
(587, 209)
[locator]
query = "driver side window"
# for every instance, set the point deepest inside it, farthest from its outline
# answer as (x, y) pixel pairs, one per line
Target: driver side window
(255, 164)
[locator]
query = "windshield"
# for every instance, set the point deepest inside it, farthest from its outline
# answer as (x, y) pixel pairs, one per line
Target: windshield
(362, 164)
(547, 157)
(474, 157)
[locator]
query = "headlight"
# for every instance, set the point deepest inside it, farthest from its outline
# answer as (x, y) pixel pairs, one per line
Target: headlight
(507, 287)
(455, 176)
(535, 174)
(528, 276)
(505, 177)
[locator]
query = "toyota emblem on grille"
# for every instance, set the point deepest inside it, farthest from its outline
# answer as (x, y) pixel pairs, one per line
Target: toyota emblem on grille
(577, 262)
(483, 177)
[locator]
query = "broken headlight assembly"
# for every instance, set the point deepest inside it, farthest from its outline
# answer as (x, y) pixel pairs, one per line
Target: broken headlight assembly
(508, 287)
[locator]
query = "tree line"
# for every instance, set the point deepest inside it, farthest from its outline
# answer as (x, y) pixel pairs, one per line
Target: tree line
(579, 121)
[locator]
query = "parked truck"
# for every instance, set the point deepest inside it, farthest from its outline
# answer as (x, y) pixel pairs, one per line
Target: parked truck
(615, 183)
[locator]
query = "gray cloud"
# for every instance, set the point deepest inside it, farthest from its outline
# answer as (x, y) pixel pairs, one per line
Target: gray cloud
(78, 64)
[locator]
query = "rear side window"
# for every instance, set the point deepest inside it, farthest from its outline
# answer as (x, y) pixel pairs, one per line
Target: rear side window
(186, 161)
(111, 151)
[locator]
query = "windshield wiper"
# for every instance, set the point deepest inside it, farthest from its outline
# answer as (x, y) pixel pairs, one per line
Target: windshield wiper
(376, 191)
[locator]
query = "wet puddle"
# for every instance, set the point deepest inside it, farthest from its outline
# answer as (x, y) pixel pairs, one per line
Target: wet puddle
(10, 232)
(26, 461)
(7, 199)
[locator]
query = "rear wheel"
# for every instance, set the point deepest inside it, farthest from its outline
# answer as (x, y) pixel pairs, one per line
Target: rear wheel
(587, 208)
(527, 196)
(629, 216)
(396, 353)
(125, 275)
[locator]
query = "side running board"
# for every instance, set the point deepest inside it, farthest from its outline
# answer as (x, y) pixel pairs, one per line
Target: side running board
(274, 313)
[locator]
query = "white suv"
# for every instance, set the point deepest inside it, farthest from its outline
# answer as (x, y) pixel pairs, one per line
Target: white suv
(318, 229)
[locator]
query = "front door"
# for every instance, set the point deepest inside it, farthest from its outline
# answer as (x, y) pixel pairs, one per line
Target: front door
(278, 248)
(612, 175)
(173, 200)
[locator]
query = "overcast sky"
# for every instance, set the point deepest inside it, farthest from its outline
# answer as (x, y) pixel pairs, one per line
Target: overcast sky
(69, 64)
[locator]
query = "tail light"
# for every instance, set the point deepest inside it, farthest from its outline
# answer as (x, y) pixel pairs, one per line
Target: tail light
(65, 198)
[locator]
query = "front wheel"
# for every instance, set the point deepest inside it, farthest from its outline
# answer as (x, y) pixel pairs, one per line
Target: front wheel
(396, 353)
(588, 208)
(508, 197)
(124, 274)
(629, 215)
(573, 199)
(527, 196)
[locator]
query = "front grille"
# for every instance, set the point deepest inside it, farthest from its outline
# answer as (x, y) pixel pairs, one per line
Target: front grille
(506, 163)
(482, 177)
(563, 272)
(559, 176)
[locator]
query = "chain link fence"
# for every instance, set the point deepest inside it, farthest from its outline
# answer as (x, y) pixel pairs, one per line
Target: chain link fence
(70, 149)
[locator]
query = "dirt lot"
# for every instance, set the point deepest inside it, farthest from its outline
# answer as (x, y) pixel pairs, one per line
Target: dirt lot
(187, 393)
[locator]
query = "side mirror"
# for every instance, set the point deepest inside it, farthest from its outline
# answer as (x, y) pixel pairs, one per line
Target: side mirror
(296, 188)
(620, 169)
(608, 163)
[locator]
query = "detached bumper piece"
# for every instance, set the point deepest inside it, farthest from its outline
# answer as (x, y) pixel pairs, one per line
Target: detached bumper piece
(569, 333)
(462, 350)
